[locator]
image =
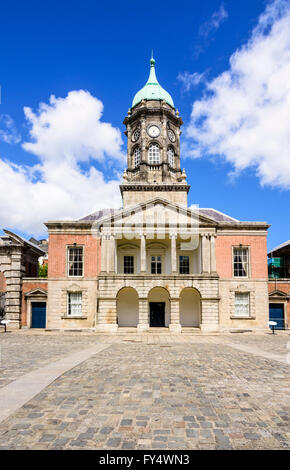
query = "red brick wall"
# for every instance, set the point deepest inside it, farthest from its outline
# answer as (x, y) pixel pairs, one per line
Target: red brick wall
(284, 287)
(2, 282)
(57, 253)
(258, 254)
(27, 286)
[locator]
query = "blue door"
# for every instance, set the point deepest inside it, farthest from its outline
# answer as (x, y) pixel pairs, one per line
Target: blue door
(276, 314)
(38, 312)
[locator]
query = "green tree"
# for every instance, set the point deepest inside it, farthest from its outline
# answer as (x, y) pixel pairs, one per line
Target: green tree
(42, 270)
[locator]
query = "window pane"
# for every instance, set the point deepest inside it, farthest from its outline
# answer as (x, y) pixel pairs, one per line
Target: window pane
(242, 304)
(170, 156)
(241, 262)
(128, 264)
(75, 261)
(75, 304)
(184, 264)
(156, 265)
(154, 154)
(137, 157)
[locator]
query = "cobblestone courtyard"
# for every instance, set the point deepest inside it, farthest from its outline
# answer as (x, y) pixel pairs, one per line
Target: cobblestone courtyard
(150, 392)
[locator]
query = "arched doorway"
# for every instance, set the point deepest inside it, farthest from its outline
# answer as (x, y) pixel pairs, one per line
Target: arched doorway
(189, 307)
(127, 307)
(159, 307)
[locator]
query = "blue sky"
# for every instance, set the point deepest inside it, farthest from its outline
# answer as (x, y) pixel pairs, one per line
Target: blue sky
(103, 48)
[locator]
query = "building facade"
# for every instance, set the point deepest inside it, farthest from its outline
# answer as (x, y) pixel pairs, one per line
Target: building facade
(18, 265)
(279, 285)
(156, 263)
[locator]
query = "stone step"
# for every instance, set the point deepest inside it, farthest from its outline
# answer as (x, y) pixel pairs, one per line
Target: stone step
(190, 331)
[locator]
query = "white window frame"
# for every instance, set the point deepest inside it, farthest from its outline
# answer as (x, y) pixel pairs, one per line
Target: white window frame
(68, 260)
(161, 261)
(153, 157)
(248, 261)
(244, 314)
(79, 312)
(189, 263)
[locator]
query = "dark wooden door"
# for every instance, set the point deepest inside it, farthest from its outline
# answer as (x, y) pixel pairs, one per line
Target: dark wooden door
(157, 314)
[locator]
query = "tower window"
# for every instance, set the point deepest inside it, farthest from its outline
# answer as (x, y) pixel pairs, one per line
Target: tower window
(137, 157)
(170, 156)
(154, 154)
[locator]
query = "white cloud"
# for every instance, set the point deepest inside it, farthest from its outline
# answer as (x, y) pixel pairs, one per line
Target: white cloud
(245, 113)
(190, 80)
(70, 128)
(8, 131)
(66, 132)
(216, 19)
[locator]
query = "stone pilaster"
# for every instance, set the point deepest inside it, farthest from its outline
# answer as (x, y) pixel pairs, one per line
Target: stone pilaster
(143, 323)
(205, 253)
(13, 289)
(212, 254)
(107, 316)
(174, 325)
(209, 314)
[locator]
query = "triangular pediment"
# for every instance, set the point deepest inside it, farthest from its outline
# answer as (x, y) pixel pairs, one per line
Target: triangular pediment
(279, 293)
(36, 292)
(157, 211)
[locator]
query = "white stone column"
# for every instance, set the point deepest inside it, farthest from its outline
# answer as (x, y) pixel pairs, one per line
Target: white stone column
(104, 253)
(143, 267)
(205, 253)
(212, 254)
(111, 247)
(173, 253)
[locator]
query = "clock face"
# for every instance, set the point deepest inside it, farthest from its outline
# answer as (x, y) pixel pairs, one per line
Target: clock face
(171, 135)
(153, 131)
(136, 135)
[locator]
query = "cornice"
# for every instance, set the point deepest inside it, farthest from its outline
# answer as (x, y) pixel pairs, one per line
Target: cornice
(155, 187)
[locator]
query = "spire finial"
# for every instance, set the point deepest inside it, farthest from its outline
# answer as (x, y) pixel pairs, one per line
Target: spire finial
(152, 61)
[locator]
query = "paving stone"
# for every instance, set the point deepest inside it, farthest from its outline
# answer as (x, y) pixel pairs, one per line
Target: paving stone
(113, 442)
(198, 394)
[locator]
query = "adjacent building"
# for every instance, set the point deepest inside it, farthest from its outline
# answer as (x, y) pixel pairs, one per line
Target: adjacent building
(279, 285)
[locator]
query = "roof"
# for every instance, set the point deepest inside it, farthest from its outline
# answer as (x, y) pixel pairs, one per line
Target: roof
(211, 213)
(100, 214)
(217, 215)
(11, 238)
(152, 90)
(284, 245)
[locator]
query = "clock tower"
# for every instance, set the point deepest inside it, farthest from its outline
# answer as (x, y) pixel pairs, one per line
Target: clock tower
(153, 149)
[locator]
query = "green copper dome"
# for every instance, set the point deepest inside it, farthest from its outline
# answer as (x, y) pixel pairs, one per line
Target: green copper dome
(152, 90)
